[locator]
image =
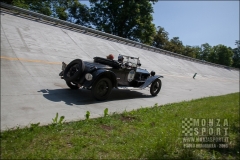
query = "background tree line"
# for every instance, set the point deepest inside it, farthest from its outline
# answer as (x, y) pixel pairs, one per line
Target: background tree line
(131, 19)
(219, 54)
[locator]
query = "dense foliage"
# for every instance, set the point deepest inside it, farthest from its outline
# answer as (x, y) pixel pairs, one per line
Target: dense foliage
(129, 19)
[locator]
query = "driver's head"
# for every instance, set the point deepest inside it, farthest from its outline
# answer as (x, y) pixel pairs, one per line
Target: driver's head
(120, 58)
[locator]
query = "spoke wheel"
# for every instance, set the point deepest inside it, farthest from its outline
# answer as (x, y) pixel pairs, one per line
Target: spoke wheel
(155, 87)
(102, 89)
(73, 70)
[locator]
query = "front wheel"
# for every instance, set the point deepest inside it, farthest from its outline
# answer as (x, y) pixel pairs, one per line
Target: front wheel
(102, 89)
(155, 87)
(72, 85)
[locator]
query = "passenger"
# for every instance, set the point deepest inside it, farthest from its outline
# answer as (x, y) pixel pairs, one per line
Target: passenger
(110, 56)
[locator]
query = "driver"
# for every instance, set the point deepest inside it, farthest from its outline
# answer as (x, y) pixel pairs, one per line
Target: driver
(120, 58)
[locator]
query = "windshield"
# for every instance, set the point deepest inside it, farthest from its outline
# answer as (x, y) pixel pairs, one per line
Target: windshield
(132, 60)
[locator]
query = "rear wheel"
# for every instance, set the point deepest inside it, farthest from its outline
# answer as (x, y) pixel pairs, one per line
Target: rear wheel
(155, 87)
(72, 85)
(73, 70)
(102, 89)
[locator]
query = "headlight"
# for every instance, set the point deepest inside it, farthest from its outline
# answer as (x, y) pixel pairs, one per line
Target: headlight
(88, 77)
(152, 73)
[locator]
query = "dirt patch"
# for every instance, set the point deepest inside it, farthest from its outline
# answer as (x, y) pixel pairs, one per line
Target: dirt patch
(107, 128)
(152, 124)
(127, 118)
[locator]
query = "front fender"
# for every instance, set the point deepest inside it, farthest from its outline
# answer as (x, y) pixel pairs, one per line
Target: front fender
(150, 80)
(99, 74)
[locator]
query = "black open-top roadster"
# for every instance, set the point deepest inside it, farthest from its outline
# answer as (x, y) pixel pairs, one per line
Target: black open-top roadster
(103, 74)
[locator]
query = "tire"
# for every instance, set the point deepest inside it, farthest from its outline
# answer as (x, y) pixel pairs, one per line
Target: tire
(73, 70)
(155, 87)
(102, 89)
(72, 85)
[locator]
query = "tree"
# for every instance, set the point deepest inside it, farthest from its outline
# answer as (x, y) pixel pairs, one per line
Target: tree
(7, 1)
(79, 14)
(59, 8)
(160, 38)
(175, 45)
(197, 51)
(54, 8)
(206, 50)
(125, 18)
(212, 57)
(221, 55)
(236, 55)
(72, 11)
(224, 55)
(39, 6)
(189, 51)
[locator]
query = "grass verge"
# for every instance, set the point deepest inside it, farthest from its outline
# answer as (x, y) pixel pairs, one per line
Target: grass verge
(148, 133)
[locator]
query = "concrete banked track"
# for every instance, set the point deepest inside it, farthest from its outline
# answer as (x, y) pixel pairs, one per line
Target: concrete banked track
(32, 91)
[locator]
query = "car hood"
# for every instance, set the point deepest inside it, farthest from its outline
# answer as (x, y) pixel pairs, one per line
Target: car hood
(144, 71)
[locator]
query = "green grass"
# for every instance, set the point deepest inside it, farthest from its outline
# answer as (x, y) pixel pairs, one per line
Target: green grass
(147, 133)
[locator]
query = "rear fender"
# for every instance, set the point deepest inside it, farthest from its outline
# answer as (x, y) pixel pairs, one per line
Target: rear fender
(100, 74)
(150, 80)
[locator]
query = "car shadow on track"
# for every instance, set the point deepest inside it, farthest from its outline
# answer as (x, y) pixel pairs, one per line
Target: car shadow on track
(84, 96)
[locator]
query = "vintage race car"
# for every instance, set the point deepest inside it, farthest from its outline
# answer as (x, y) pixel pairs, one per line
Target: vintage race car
(102, 75)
